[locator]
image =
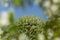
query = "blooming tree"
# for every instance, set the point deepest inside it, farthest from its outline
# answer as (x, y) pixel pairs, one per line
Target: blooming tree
(30, 26)
(51, 8)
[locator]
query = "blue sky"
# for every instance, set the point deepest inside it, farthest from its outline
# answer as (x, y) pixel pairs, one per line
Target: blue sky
(18, 12)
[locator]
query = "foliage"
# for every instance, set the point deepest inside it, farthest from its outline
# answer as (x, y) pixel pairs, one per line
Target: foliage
(21, 3)
(30, 25)
(54, 25)
(11, 18)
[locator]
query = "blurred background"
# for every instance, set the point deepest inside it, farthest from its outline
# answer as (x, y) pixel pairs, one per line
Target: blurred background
(47, 10)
